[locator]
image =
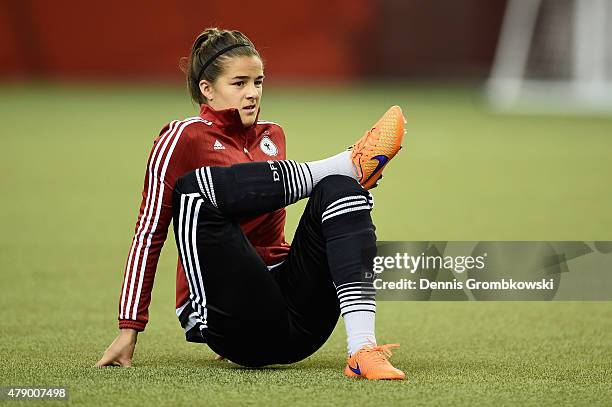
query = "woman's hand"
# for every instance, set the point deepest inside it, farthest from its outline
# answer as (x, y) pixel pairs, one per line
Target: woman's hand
(121, 351)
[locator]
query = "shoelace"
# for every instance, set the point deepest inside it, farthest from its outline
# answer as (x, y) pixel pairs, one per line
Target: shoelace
(382, 352)
(367, 140)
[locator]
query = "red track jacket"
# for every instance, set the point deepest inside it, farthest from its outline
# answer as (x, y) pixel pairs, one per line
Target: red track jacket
(215, 138)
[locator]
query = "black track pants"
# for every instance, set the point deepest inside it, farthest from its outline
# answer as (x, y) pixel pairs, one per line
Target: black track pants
(249, 314)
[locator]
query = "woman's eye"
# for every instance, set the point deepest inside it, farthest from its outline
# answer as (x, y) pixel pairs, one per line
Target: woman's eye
(239, 83)
(258, 83)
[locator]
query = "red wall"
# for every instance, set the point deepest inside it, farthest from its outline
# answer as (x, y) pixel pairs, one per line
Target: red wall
(116, 38)
(312, 40)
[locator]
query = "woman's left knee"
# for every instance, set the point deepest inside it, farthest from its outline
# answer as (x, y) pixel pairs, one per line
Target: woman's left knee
(336, 186)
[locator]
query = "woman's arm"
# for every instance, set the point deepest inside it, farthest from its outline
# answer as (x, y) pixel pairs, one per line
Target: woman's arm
(163, 168)
(168, 160)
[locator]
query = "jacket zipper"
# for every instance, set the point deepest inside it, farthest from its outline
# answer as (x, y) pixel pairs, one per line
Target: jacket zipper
(246, 139)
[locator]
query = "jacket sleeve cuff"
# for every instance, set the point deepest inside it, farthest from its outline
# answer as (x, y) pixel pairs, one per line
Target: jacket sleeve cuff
(137, 325)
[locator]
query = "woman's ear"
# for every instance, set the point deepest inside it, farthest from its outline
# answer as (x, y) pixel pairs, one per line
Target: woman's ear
(207, 90)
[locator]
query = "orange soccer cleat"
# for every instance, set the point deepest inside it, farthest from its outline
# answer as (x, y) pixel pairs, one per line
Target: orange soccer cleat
(371, 153)
(371, 362)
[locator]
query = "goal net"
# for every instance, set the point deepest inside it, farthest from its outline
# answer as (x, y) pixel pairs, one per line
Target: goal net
(554, 56)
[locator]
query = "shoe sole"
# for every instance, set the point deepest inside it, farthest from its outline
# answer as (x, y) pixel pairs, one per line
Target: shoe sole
(350, 374)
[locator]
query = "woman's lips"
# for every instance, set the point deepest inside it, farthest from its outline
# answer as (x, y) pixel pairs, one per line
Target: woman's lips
(249, 109)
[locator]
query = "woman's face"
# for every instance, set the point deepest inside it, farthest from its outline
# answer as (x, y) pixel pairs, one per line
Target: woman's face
(239, 87)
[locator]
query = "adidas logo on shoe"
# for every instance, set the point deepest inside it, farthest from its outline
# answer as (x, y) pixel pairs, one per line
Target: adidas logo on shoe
(218, 145)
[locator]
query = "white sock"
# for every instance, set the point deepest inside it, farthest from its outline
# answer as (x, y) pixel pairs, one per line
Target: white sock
(359, 330)
(339, 164)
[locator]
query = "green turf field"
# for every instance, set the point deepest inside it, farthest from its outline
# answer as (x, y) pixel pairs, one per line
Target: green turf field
(72, 160)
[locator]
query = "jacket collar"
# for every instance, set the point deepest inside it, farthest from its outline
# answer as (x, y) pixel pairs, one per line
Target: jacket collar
(227, 118)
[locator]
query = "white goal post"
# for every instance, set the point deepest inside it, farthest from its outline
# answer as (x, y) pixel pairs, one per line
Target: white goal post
(554, 56)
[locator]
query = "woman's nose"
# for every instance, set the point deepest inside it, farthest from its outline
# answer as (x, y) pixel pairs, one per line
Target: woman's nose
(251, 92)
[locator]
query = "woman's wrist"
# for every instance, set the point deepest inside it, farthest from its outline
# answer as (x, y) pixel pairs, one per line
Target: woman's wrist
(129, 332)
